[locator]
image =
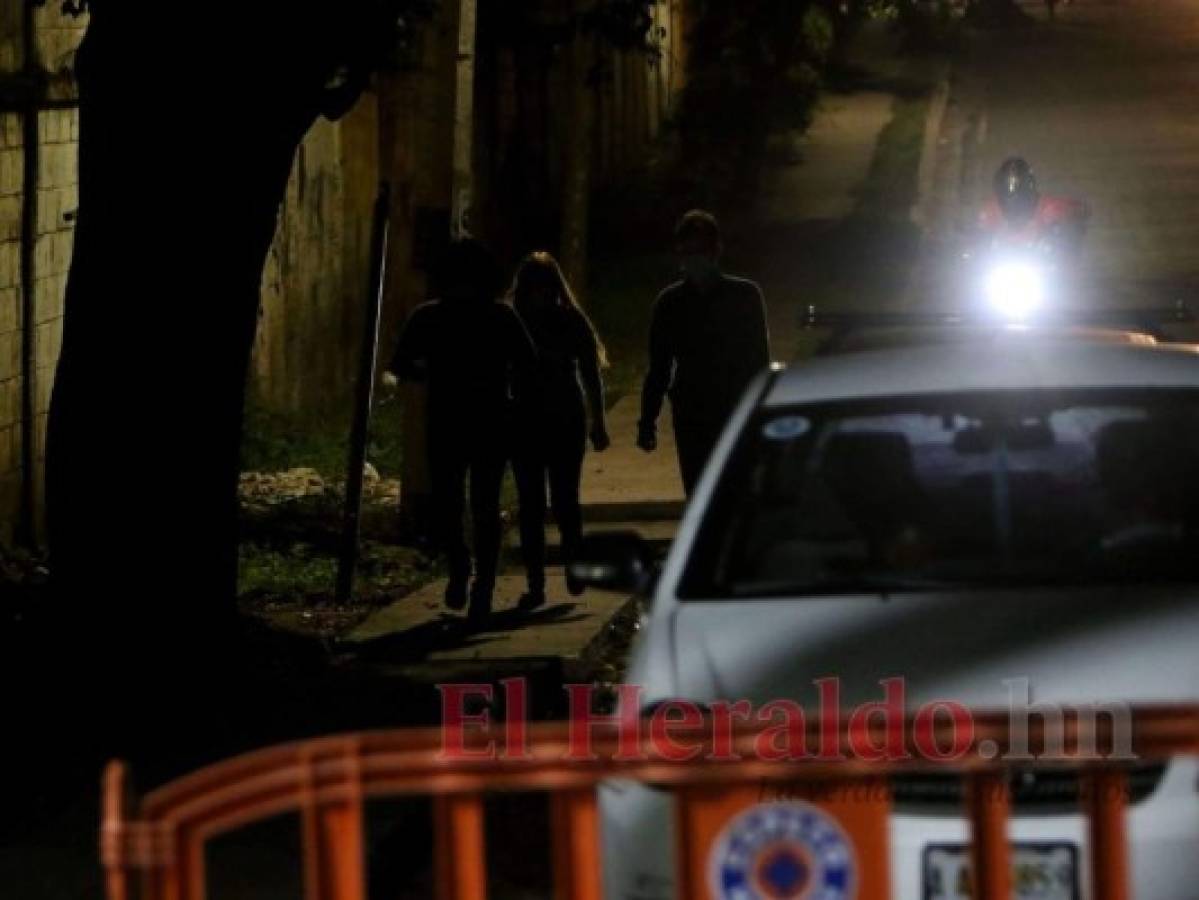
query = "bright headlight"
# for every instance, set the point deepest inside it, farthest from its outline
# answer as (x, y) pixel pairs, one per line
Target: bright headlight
(1015, 290)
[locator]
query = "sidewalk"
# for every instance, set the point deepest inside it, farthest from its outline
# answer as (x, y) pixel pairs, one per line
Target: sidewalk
(624, 488)
(625, 482)
(418, 632)
(835, 155)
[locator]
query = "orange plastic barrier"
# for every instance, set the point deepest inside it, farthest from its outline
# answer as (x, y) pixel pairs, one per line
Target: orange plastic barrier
(155, 850)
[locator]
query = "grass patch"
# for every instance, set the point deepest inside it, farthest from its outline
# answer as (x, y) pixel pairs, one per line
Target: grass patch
(274, 571)
(292, 587)
(274, 441)
(892, 185)
(384, 570)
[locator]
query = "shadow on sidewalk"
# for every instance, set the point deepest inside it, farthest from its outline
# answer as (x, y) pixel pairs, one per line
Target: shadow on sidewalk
(449, 632)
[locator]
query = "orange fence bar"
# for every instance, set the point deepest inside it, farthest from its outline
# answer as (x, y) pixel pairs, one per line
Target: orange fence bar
(115, 815)
(334, 844)
(160, 842)
(1104, 794)
(699, 812)
(574, 820)
(333, 853)
(460, 856)
(185, 879)
(989, 804)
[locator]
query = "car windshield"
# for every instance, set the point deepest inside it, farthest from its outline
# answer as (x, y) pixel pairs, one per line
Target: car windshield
(1027, 488)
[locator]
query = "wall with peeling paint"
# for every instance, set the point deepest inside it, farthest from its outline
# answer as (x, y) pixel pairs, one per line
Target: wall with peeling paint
(314, 282)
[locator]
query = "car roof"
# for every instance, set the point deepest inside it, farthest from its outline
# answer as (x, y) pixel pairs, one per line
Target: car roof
(884, 336)
(998, 361)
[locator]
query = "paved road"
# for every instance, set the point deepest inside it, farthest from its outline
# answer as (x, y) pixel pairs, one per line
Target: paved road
(1105, 104)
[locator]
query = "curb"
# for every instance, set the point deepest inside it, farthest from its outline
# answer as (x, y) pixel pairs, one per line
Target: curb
(930, 173)
(934, 122)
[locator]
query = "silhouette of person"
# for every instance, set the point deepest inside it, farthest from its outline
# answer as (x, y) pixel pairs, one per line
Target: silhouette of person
(553, 442)
(708, 337)
(478, 362)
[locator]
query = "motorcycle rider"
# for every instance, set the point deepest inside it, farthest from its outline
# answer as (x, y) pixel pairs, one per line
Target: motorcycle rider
(1018, 213)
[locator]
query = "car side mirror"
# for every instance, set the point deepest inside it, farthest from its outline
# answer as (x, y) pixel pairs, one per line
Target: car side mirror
(615, 561)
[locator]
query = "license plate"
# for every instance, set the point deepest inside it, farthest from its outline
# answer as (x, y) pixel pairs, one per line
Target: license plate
(1039, 872)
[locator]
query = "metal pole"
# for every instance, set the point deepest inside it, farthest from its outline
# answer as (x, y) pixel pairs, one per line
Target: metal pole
(348, 557)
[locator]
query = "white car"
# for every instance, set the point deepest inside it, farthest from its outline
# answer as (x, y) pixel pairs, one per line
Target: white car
(1011, 509)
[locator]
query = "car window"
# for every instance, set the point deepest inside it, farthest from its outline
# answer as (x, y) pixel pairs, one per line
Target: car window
(991, 488)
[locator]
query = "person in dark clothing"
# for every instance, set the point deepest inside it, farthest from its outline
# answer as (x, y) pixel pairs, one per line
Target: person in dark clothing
(553, 441)
(708, 338)
(478, 362)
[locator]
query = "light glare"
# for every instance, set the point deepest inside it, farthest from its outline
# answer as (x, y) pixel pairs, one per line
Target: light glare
(1015, 290)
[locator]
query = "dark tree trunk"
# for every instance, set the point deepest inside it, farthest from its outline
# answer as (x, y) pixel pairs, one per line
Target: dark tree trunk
(190, 115)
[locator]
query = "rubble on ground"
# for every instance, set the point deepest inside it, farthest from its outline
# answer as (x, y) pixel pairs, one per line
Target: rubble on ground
(266, 490)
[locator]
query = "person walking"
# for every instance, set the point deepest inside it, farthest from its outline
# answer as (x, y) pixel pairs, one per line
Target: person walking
(552, 442)
(708, 337)
(478, 363)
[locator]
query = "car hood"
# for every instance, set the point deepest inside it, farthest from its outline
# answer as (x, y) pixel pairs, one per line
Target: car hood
(977, 649)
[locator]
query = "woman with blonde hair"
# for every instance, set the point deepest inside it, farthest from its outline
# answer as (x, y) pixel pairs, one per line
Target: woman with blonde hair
(553, 442)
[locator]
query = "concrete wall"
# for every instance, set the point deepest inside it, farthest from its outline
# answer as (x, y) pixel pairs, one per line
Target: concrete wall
(10, 321)
(416, 117)
(314, 282)
(57, 36)
(314, 286)
(532, 104)
(58, 199)
(11, 178)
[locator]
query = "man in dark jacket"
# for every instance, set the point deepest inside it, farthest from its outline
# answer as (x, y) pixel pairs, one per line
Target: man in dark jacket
(708, 338)
(478, 363)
